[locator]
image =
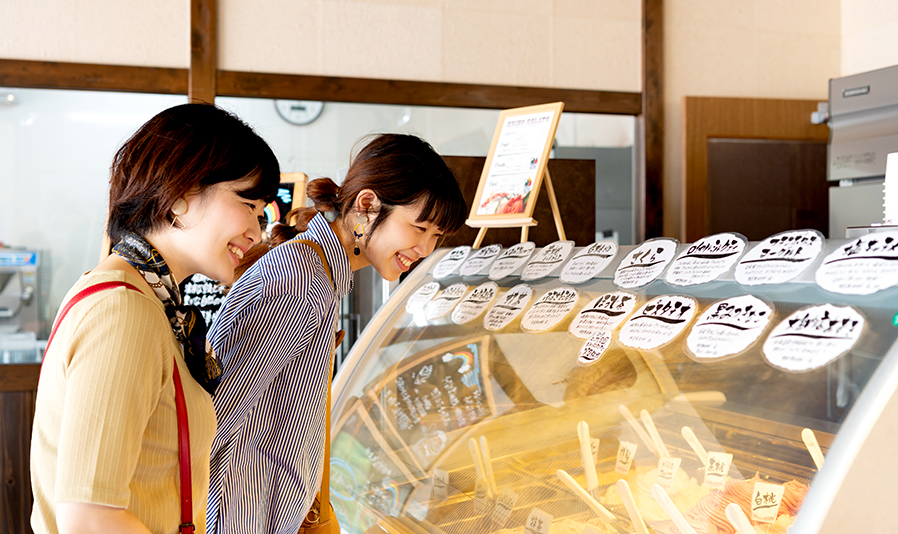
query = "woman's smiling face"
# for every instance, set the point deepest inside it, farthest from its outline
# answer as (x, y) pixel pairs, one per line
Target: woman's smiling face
(400, 241)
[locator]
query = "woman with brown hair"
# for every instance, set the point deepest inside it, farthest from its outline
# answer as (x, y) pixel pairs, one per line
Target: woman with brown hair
(127, 377)
(275, 331)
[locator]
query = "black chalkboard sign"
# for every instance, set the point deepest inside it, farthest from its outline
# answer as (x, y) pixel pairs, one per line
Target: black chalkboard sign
(204, 293)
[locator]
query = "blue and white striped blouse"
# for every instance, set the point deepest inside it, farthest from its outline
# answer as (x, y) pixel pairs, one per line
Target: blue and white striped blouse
(274, 336)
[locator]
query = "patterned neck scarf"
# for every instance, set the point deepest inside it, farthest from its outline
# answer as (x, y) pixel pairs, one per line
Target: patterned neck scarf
(186, 321)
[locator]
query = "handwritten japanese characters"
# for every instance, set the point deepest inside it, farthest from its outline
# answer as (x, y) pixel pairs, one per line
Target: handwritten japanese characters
(603, 314)
(765, 502)
(717, 469)
(728, 327)
(550, 309)
(589, 262)
(594, 348)
(812, 337)
(779, 258)
(419, 299)
(644, 263)
(706, 259)
(547, 260)
(861, 267)
(626, 452)
(445, 301)
(508, 307)
(667, 471)
(475, 302)
(451, 262)
(511, 260)
(538, 522)
(658, 322)
(479, 260)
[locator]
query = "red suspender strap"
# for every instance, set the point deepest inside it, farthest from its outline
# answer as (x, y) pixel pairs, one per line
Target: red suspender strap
(186, 526)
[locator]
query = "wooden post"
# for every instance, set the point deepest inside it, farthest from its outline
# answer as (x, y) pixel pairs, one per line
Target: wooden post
(203, 65)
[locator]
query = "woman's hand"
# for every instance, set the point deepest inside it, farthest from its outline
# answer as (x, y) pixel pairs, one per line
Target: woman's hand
(84, 518)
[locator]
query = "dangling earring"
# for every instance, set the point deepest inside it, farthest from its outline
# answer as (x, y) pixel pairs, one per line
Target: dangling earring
(178, 208)
(359, 231)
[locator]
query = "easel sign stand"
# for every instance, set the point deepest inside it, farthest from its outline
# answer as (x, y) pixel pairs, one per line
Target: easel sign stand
(515, 169)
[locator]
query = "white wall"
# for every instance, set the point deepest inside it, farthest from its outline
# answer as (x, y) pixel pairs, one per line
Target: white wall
(869, 35)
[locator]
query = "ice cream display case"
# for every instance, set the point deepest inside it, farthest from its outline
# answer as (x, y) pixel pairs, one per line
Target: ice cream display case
(708, 387)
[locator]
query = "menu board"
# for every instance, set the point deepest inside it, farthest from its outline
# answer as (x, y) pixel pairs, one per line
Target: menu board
(204, 293)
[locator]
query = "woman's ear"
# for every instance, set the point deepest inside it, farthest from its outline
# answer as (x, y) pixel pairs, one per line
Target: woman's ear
(367, 202)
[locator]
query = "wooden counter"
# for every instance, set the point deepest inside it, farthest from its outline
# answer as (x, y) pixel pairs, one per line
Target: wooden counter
(18, 391)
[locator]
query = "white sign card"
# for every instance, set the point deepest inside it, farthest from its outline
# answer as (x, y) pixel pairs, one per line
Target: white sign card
(717, 469)
(812, 337)
(440, 488)
(550, 309)
(779, 258)
(481, 497)
(594, 447)
(473, 305)
(603, 314)
(657, 322)
(706, 259)
(667, 471)
(625, 454)
(863, 266)
(589, 262)
(511, 260)
(538, 522)
(644, 263)
(504, 505)
(445, 301)
(509, 306)
(594, 348)
(421, 297)
(765, 502)
(547, 260)
(728, 327)
(479, 260)
(450, 263)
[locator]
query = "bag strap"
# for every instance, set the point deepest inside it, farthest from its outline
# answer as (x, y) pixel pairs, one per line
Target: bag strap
(324, 495)
(186, 526)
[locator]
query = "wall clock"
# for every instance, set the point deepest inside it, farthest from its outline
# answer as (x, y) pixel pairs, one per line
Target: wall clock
(299, 112)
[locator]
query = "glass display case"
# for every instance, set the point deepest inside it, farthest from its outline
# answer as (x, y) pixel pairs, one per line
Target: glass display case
(566, 389)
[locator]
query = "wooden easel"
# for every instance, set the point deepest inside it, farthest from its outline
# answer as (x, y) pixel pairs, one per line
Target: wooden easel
(526, 222)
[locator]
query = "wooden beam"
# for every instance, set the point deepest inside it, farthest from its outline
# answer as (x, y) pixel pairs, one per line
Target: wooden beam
(411, 93)
(203, 59)
(652, 118)
(93, 77)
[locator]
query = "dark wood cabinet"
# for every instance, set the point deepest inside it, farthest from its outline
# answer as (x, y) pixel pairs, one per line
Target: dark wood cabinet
(18, 391)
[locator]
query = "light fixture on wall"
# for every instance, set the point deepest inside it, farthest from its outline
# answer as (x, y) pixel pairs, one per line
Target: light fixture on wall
(299, 112)
(8, 99)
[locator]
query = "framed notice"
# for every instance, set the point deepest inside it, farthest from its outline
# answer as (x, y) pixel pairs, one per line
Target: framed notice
(515, 167)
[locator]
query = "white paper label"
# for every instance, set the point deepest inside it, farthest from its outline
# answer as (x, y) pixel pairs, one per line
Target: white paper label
(589, 262)
(550, 309)
(667, 472)
(511, 260)
(445, 301)
(657, 322)
(547, 260)
(717, 469)
(450, 263)
(812, 337)
(481, 498)
(504, 505)
(479, 260)
(863, 266)
(538, 522)
(509, 306)
(440, 489)
(422, 296)
(728, 327)
(473, 305)
(602, 314)
(594, 348)
(765, 502)
(625, 454)
(644, 263)
(706, 259)
(779, 258)
(594, 447)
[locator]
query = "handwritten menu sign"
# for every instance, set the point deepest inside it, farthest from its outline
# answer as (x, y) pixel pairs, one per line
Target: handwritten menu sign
(658, 322)
(603, 314)
(589, 262)
(504, 506)
(550, 309)
(667, 471)
(863, 266)
(765, 502)
(437, 394)
(538, 522)
(706, 259)
(728, 327)
(511, 260)
(204, 293)
(419, 299)
(644, 263)
(479, 260)
(625, 454)
(779, 258)
(473, 305)
(509, 306)
(445, 301)
(450, 263)
(440, 486)
(594, 348)
(547, 260)
(812, 337)
(717, 469)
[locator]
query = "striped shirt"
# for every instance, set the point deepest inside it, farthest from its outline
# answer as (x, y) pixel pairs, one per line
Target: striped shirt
(274, 335)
